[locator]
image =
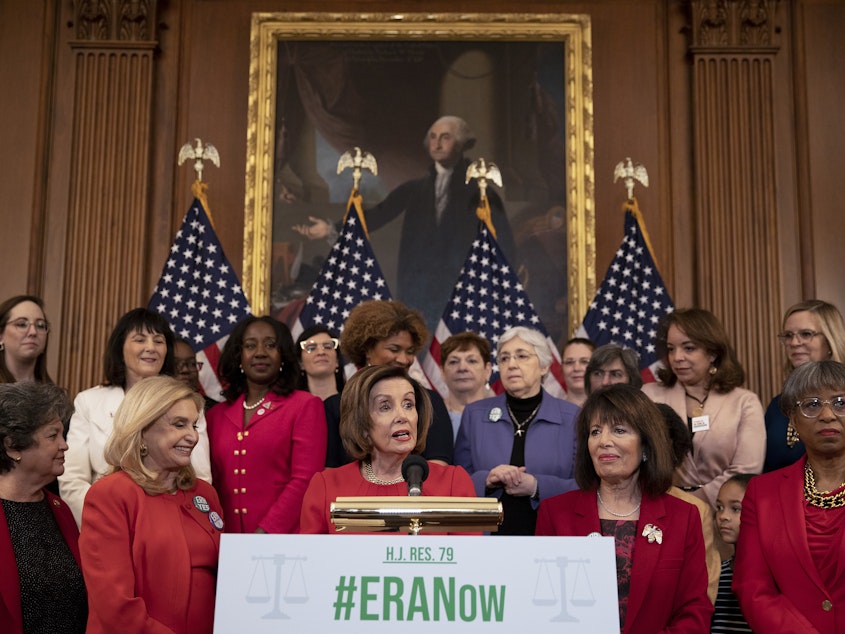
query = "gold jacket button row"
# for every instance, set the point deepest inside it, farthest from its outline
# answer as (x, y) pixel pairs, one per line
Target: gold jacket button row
(827, 606)
(243, 435)
(240, 511)
(236, 491)
(242, 452)
(241, 471)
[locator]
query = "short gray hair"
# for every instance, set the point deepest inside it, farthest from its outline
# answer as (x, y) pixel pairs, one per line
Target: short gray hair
(24, 408)
(808, 380)
(532, 337)
(608, 353)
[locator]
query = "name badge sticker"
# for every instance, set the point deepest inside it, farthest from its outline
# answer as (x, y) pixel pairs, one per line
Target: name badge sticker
(700, 423)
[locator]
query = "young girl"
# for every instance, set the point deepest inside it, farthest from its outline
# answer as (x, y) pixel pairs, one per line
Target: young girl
(727, 616)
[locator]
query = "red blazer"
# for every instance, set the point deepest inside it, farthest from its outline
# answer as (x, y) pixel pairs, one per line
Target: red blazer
(261, 472)
(10, 584)
(347, 480)
(137, 561)
(775, 579)
(668, 581)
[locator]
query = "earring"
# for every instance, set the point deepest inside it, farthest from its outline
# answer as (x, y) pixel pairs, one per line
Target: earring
(242, 369)
(144, 450)
(713, 370)
(18, 459)
(645, 457)
(2, 346)
(791, 435)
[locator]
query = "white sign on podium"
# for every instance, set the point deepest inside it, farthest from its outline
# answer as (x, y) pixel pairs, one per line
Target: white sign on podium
(374, 583)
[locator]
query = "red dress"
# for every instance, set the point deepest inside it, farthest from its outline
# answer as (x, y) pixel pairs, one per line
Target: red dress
(347, 481)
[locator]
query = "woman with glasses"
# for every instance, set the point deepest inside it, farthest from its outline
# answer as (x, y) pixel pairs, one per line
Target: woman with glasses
(140, 346)
(268, 438)
(23, 340)
(701, 381)
(187, 369)
(812, 331)
(519, 446)
(322, 370)
(788, 566)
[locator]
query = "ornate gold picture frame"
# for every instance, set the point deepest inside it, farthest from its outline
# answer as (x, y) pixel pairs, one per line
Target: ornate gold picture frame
(522, 81)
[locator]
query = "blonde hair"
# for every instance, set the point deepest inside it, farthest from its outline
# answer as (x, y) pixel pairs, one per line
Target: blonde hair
(146, 402)
(831, 326)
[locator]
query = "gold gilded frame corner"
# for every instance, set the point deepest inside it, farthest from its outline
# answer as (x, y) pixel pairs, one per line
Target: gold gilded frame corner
(573, 31)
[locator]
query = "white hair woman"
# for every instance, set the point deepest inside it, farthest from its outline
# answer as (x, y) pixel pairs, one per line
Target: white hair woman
(519, 446)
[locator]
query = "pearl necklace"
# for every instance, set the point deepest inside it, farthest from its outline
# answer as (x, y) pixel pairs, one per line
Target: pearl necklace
(821, 499)
(249, 407)
(615, 514)
(372, 477)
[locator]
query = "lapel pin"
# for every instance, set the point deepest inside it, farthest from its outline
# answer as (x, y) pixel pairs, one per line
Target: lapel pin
(653, 534)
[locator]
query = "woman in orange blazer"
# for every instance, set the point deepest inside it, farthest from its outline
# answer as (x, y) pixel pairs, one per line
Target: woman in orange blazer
(789, 571)
(624, 468)
(150, 534)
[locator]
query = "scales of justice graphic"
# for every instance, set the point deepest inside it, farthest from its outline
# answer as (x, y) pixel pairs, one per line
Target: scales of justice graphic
(544, 587)
(296, 591)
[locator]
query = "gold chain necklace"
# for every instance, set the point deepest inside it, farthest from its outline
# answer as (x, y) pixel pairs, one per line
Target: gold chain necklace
(821, 499)
(370, 475)
(698, 411)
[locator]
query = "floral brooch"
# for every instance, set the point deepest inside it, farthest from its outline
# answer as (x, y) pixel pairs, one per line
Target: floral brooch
(653, 534)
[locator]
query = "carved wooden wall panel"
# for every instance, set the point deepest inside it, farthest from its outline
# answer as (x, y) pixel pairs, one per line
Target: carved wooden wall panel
(109, 181)
(736, 257)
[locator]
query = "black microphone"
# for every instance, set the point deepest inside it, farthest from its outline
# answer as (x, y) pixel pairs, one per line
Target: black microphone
(415, 471)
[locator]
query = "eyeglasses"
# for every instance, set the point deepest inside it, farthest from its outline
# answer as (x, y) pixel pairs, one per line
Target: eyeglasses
(181, 366)
(804, 336)
(311, 346)
(22, 325)
(811, 407)
(520, 357)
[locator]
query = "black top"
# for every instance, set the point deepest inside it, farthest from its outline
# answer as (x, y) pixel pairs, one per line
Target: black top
(53, 596)
(520, 518)
(439, 444)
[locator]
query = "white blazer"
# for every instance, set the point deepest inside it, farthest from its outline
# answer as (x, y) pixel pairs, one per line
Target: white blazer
(90, 427)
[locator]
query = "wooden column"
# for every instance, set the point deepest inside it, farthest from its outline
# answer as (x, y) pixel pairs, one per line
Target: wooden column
(107, 239)
(737, 267)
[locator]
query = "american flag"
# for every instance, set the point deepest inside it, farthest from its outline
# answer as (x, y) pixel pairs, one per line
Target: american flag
(488, 299)
(350, 275)
(632, 299)
(199, 293)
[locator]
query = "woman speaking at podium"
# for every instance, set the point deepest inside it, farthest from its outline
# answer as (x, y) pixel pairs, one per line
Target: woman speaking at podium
(384, 418)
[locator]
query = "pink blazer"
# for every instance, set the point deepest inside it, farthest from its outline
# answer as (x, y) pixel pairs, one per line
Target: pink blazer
(775, 579)
(668, 581)
(735, 442)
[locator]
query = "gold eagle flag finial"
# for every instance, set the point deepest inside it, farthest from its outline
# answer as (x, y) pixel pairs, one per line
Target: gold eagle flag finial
(358, 161)
(199, 153)
(628, 172)
(483, 171)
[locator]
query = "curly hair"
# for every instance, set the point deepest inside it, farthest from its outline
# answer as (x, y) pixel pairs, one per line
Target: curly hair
(376, 320)
(229, 368)
(705, 330)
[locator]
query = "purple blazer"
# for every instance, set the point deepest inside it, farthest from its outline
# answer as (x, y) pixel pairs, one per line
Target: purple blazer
(484, 443)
